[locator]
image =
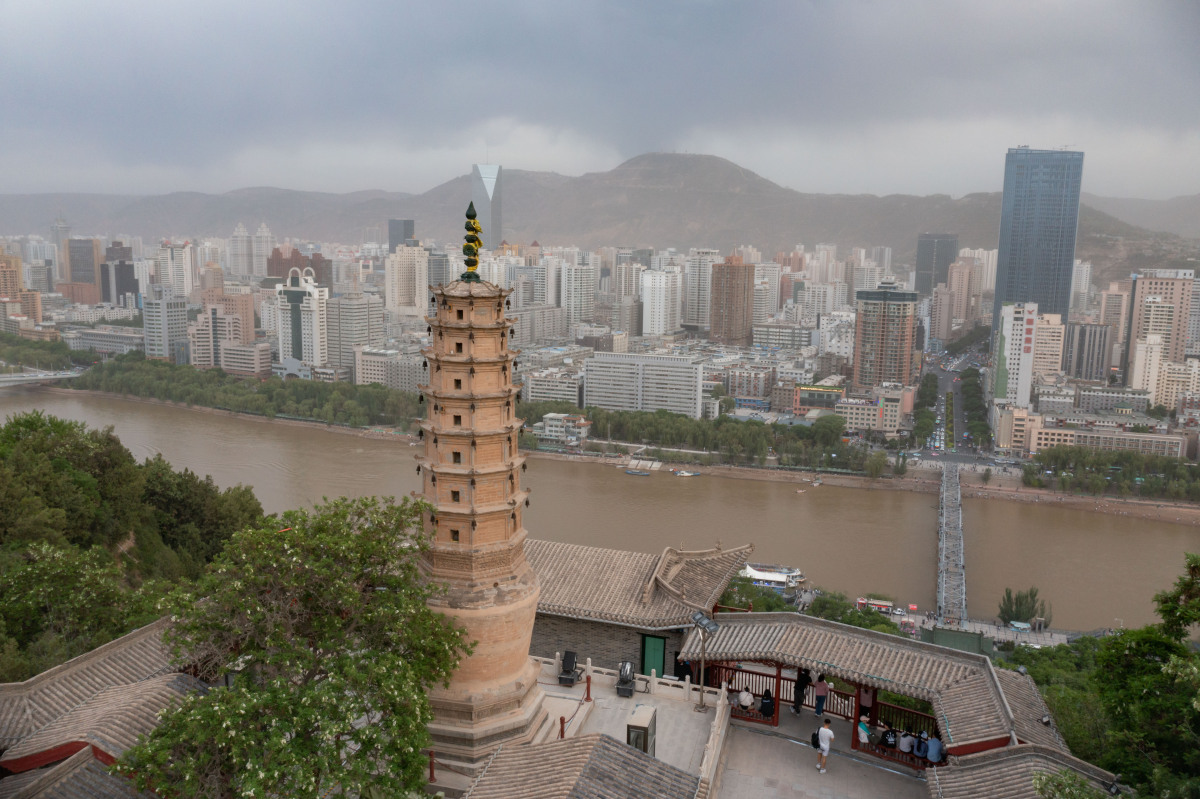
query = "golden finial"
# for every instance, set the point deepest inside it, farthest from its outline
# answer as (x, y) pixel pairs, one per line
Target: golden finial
(471, 245)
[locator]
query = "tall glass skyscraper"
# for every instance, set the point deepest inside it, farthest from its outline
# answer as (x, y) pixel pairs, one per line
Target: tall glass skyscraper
(486, 194)
(935, 253)
(1037, 229)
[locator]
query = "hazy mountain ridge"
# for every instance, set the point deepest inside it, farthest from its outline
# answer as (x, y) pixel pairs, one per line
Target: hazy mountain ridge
(1178, 215)
(655, 200)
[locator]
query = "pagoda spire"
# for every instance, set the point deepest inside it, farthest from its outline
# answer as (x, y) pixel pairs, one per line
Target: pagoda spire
(471, 245)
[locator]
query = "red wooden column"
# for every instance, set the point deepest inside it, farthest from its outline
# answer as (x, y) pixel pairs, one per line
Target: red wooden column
(778, 687)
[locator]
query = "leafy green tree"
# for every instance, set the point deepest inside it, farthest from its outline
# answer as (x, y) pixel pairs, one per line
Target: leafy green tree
(1179, 608)
(986, 477)
(828, 430)
(876, 464)
(834, 606)
(1023, 606)
(743, 593)
(1065, 784)
(323, 617)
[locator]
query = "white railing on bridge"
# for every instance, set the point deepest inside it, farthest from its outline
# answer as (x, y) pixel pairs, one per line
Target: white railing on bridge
(952, 574)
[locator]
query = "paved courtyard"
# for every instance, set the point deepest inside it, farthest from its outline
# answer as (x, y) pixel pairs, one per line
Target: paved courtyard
(759, 765)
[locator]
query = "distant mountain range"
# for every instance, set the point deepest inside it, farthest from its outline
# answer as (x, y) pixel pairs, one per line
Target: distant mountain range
(656, 200)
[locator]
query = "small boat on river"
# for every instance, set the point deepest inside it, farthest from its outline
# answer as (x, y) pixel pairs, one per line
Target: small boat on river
(787, 580)
(682, 473)
(637, 473)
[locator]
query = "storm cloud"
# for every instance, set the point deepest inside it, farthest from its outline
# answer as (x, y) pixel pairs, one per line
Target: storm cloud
(139, 97)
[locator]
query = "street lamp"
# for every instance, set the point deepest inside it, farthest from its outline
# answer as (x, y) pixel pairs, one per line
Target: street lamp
(707, 627)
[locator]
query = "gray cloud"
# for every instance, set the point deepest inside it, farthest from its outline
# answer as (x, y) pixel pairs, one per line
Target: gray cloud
(882, 97)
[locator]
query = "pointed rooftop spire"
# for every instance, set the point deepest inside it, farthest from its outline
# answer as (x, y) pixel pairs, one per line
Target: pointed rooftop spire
(471, 245)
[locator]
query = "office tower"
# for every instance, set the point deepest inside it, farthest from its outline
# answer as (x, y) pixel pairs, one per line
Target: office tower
(239, 305)
(627, 316)
(1038, 221)
(885, 337)
(1147, 356)
(697, 283)
(632, 382)
(987, 261)
(210, 333)
(1081, 287)
(284, 259)
(400, 231)
(1048, 337)
(300, 307)
(1087, 352)
(935, 253)
(175, 268)
(241, 253)
(941, 314)
(164, 325)
(41, 277)
(353, 320)
(261, 245)
(732, 303)
(212, 278)
(578, 293)
(118, 282)
(406, 281)
(60, 234)
(486, 194)
(764, 303)
(660, 302)
(1012, 363)
(1162, 305)
(442, 270)
(1114, 308)
(471, 477)
(84, 257)
(748, 254)
(1192, 347)
(210, 252)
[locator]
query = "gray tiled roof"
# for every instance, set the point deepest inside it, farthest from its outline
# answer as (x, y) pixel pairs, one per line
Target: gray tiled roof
(80, 776)
(1006, 773)
(587, 767)
(649, 591)
(1028, 709)
(966, 695)
(110, 721)
(26, 707)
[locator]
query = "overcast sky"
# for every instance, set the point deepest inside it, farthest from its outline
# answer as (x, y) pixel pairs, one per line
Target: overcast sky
(153, 96)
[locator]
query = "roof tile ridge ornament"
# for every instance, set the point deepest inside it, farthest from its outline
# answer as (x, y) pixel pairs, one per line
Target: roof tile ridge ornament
(471, 245)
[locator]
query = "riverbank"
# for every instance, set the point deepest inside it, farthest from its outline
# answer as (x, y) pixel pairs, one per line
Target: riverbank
(923, 479)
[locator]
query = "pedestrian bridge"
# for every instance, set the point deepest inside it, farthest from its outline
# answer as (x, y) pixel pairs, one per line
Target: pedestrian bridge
(26, 378)
(952, 572)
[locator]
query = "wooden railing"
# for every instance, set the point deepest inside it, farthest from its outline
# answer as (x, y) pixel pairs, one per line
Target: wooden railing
(887, 753)
(903, 718)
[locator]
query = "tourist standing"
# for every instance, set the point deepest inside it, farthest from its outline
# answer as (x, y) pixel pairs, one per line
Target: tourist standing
(820, 694)
(866, 702)
(825, 739)
(803, 680)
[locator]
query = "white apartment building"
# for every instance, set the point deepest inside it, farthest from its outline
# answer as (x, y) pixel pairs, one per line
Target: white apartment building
(770, 275)
(301, 314)
(632, 382)
(552, 385)
(1048, 337)
(261, 246)
(579, 293)
(402, 371)
(697, 307)
(660, 302)
(175, 268)
(164, 325)
(1148, 359)
(406, 281)
(1012, 372)
(353, 320)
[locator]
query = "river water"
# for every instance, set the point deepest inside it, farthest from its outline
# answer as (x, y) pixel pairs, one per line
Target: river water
(1096, 570)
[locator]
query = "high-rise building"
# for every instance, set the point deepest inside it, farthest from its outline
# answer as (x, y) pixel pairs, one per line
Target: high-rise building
(628, 282)
(1081, 287)
(406, 281)
(164, 325)
(261, 246)
(84, 257)
(732, 303)
(241, 253)
(471, 477)
(1038, 221)
(238, 305)
(578, 293)
(1048, 337)
(1087, 353)
(883, 257)
(941, 314)
(935, 253)
(301, 309)
(60, 234)
(175, 268)
(284, 259)
(885, 337)
(697, 283)
(1012, 361)
(353, 320)
(11, 268)
(1147, 357)
(660, 302)
(487, 194)
(1162, 305)
(770, 274)
(400, 232)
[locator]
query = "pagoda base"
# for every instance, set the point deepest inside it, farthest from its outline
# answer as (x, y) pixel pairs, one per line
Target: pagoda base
(467, 728)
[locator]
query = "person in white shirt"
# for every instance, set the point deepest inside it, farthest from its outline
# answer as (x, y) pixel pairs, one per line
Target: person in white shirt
(745, 698)
(907, 741)
(825, 737)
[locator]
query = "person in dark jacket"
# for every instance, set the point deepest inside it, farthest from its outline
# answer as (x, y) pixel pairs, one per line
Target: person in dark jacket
(803, 680)
(767, 706)
(888, 737)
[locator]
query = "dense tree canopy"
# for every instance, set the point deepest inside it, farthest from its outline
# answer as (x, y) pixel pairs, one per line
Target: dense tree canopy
(86, 532)
(1085, 470)
(323, 617)
(16, 351)
(332, 403)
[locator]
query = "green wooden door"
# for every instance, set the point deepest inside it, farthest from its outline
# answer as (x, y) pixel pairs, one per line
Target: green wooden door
(654, 654)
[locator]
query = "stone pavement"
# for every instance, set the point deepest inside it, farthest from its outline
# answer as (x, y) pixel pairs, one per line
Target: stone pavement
(759, 765)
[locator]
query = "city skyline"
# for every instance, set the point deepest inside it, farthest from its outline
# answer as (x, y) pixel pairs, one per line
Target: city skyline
(288, 108)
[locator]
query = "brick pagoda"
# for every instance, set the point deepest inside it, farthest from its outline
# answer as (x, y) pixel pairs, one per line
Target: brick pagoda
(471, 472)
